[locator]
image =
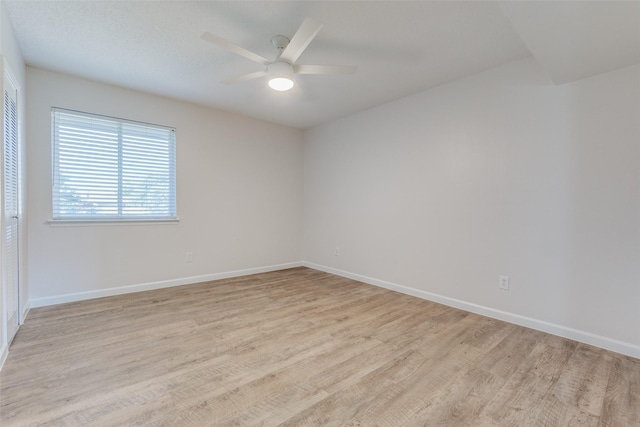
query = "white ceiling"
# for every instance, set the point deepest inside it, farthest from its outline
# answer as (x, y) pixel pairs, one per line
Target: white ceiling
(399, 47)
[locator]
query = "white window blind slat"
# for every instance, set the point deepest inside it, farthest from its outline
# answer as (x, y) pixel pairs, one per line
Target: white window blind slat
(106, 168)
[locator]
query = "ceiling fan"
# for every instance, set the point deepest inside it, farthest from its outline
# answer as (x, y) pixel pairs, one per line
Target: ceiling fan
(282, 69)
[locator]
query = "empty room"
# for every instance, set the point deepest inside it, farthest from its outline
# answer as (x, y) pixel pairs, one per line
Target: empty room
(320, 213)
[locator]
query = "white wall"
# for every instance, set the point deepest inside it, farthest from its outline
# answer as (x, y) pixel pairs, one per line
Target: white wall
(239, 184)
(502, 173)
(12, 59)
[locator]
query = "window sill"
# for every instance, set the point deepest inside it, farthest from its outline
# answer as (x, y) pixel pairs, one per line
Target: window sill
(109, 222)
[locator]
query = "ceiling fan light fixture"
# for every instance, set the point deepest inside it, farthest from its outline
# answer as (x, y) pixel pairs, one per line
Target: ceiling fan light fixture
(281, 76)
(281, 84)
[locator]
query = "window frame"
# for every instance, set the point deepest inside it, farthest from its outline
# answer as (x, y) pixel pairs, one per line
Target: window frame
(170, 216)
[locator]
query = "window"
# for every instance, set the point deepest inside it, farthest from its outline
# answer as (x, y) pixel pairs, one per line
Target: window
(112, 169)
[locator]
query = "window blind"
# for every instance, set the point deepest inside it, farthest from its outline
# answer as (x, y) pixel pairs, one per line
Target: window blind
(10, 153)
(106, 168)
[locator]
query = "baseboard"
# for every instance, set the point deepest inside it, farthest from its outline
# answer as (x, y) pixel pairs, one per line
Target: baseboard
(559, 330)
(79, 296)
(25, 311)
(551, 328)
(4, 352)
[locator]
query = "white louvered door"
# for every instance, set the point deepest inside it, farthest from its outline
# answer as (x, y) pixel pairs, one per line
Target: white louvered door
(10, 207)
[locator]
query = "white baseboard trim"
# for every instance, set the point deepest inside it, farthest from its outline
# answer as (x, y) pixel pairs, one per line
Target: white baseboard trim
(4, 352)
(25, 311)
(540, 325)
(119, 290)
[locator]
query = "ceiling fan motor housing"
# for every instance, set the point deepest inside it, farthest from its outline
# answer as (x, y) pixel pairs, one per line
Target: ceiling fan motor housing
(280, 69)
(280, 76)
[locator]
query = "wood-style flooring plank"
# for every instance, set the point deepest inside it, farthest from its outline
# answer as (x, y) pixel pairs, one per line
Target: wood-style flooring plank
(621, 406)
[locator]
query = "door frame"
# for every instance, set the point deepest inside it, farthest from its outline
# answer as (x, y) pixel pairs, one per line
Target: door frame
(7, 334)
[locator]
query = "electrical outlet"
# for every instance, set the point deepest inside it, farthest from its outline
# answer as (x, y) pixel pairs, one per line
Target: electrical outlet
(503, 282)
(336, 251)
(189, 257)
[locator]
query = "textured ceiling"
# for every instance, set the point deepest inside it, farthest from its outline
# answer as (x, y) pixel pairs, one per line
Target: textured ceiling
(399, 47)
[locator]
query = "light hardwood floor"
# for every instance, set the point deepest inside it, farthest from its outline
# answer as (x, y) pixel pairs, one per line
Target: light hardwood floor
(302, 348)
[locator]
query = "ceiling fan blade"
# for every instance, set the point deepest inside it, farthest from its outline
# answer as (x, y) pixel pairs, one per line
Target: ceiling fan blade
(212, 38)
(245, 77)
(325, 69)
(300, 40)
